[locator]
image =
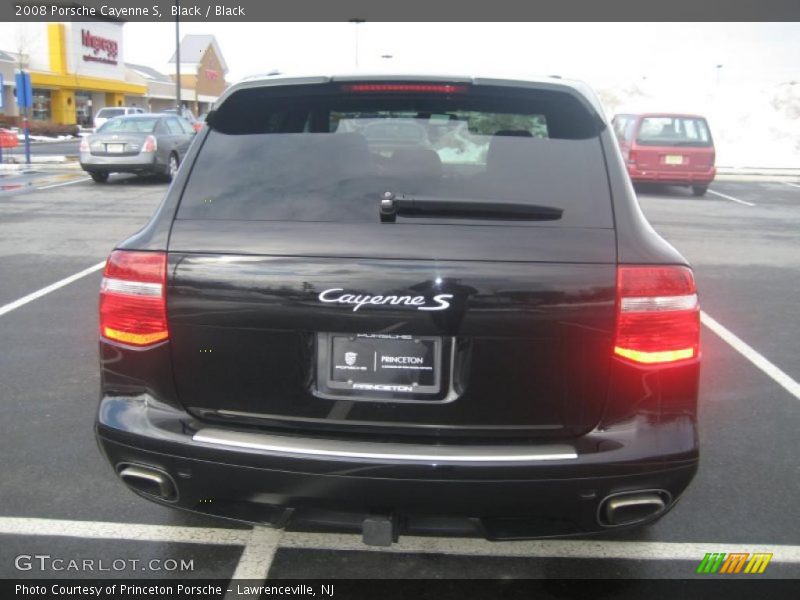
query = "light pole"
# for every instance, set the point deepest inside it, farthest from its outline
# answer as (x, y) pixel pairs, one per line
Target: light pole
(178, 57)
(356, 22)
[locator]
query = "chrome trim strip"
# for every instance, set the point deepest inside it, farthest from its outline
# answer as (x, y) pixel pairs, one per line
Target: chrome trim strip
(659, 303)
(379, 451)
(131, 288)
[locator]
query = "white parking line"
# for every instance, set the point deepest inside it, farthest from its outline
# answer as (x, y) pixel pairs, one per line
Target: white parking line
(750, 354)
(792, 184)
(263, 542)
(731, 198)
(124, 531)
(47, 187)
(541, 548)
(7, 308)
(256, 558)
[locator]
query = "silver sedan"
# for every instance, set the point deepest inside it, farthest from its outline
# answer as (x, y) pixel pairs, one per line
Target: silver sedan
(142, 144)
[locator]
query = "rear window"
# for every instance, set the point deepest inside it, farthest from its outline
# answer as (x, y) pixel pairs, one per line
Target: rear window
(131, 125)
(327, 153)
(108, 113)
(673, 131)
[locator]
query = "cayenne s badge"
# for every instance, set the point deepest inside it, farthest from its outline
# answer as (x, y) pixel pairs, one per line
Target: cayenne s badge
(334, 295)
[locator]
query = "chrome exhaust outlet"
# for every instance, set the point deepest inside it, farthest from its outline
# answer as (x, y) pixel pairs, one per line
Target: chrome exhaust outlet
(629, 508)
(150, 481)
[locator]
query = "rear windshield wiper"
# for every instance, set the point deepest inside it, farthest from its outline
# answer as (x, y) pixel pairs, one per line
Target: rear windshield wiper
(428, 206)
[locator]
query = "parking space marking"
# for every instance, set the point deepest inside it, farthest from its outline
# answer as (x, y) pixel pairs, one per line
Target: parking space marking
(7, 308)
(124, 531)
(792, 184)
(750, 354)
(256, 558)
(731, 198)
(261, 543)
(47, 187)
(540, 548)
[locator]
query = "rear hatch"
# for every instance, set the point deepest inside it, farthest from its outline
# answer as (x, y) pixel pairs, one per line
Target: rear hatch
(459, 285)
(673, 144)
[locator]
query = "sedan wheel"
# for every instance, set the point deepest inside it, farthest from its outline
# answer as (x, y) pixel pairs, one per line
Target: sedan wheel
(172, 167)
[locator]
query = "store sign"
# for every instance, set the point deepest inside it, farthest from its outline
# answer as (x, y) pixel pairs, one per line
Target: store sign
(212, 75)
(104, 50)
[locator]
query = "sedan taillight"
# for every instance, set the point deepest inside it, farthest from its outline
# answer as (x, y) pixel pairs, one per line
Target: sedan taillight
(150, 144)
(84, 147)
(658, 316)
(132, 298)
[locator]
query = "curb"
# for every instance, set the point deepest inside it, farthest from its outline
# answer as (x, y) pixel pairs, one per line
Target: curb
(34, 166)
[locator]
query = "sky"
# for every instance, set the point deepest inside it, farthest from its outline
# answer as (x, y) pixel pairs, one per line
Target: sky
(600, 53)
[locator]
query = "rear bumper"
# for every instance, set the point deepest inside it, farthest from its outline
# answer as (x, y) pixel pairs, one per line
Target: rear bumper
(140, 163)
(500, 492)
(670, 176)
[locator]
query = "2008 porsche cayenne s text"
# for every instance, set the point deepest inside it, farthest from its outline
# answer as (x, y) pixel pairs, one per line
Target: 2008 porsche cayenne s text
(397, 305)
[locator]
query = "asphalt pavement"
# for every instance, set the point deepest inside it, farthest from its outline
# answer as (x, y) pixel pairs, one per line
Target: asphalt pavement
(61, 498)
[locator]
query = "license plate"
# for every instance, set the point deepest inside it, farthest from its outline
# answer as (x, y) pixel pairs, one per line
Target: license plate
(383, 364)
(115, 148)
(673, 159)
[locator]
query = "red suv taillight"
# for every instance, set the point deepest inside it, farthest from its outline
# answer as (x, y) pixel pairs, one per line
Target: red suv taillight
(132, 298)
(658, 317)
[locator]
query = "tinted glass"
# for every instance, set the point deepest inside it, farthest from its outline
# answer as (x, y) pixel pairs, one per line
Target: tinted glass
(129, 125)
(174, 127)
(330, 156)
(186, 126)
(673, 131)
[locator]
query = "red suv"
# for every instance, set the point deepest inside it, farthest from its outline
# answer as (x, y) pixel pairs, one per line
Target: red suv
(672, 149)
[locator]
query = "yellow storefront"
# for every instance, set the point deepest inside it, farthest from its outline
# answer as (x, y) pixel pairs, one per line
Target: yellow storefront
(82, 62)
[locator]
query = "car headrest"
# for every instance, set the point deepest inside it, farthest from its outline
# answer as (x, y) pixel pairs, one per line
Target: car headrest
(416, 162)
(506, 148)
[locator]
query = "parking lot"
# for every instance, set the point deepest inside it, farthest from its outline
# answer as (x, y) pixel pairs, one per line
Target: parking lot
(60, 498)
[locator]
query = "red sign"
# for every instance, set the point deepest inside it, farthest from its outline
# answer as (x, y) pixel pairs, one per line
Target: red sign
(212, 75)
(99, 44)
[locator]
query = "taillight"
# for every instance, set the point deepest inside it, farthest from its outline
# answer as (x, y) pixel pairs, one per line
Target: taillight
(84, 147)
(658, 317)
(150, 144)
(631, 158)
(132, 298)
(425, 88)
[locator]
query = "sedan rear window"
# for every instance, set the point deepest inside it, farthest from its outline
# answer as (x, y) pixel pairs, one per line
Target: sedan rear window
(673, 131)
(325, 153)
(135, 125)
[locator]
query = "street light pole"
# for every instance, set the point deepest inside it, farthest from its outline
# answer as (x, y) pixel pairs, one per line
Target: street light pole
(356, 22)
(178, 56)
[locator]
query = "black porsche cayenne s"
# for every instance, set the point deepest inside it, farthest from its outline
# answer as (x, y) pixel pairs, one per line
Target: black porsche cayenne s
(400, 305)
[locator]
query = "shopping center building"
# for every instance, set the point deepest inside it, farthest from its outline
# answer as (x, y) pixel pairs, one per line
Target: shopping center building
(77, 68)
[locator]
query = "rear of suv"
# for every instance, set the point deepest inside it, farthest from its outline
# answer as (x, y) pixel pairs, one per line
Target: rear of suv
(402, 305)
(670, 149)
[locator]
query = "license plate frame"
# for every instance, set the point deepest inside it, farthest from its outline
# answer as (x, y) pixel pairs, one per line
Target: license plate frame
(115, 148)
(673, 159)
(381, 365)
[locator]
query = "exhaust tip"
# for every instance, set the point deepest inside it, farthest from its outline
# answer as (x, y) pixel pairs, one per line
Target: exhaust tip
(629, 508)
(149, 481)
